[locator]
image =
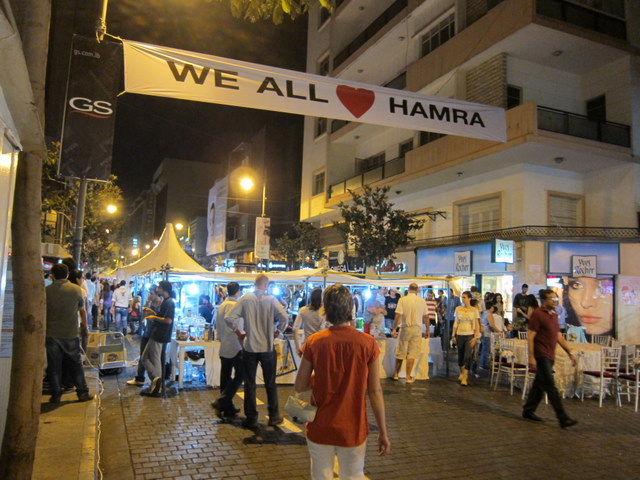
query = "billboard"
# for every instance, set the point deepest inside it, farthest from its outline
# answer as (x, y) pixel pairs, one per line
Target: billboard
(217, 217)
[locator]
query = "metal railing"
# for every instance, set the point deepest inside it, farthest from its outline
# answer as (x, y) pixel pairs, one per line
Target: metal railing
(583, 17)
(581, 126)
(535, 232)
(386, 170)
(373, 28)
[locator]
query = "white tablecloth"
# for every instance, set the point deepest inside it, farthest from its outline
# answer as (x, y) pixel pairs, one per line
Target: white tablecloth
(212, 361)
(421, 365)
(567, 377)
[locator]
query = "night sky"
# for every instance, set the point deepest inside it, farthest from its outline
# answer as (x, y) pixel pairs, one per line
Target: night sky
(149, 129)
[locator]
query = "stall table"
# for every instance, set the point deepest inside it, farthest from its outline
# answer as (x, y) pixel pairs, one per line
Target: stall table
(421, 366)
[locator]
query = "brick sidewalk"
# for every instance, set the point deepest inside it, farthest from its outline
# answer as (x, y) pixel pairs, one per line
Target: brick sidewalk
(437, 428)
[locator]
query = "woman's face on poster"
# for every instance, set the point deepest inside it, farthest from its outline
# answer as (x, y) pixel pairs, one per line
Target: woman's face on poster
(592, 301)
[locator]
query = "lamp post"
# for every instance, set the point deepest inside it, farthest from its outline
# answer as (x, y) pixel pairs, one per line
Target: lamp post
(247, 183)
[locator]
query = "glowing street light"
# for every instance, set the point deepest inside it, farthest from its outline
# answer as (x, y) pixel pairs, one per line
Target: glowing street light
(179, 226)
(247, 183)
(147, 246)
(135, 252)
(111, 208)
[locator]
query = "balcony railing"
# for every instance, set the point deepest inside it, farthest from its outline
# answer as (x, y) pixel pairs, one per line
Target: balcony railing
(583, 17)
(375, 26)
(580, 126)
(388, 169)
(535, 232)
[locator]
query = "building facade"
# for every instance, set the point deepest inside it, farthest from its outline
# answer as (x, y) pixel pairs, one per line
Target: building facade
(565, 184)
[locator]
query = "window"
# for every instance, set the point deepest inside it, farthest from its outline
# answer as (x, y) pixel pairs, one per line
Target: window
(597, 109)
(514, 96)
(324, 16)
(439, 34)
(399, 83)
(478, 215)
(366, 164)
(323, 65)
(318, 184)
(405, 147)
(428, 137)
(424, 232)
(321, 126)
(565, 210)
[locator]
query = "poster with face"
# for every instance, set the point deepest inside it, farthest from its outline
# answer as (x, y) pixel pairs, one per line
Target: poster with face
(588, 303)
(217, 217)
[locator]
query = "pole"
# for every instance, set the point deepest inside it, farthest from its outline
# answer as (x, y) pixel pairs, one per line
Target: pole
(264, 196)
(77, 236)
(101, 23)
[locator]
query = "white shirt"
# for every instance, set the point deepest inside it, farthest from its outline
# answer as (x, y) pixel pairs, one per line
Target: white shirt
(122, 297)
(229, 343)
(413, 309)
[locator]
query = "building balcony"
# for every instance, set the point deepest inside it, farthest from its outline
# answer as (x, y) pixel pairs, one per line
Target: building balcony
(534, 232)
(535, 135)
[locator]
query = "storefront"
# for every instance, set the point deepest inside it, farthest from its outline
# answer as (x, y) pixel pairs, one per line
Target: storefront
(475, 265)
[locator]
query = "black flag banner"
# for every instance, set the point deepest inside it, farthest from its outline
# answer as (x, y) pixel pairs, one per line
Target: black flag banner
(89, 116)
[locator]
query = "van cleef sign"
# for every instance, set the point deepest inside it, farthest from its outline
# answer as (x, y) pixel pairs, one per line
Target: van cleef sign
(169, 72)
(462, 263)
(584, 265)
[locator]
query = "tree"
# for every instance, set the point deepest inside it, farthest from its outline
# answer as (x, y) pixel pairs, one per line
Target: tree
(276, 10)
(303, 246)
(61, 196)
(374, 228)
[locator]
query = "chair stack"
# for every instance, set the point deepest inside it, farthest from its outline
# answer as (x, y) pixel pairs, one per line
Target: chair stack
(603, 340)
(608, 373)
(630, 374)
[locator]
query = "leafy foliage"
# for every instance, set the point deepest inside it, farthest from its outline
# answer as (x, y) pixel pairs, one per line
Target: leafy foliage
(61, 196)
(374, 228)
(303, 246)
(254, 10)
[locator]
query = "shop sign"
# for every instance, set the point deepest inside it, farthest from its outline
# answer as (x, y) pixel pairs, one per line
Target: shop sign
(502, 251)
(584, 265)
(462, 263)
(340, 262)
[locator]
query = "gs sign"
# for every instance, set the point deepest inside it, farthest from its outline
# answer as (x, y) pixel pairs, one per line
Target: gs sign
(93, 108)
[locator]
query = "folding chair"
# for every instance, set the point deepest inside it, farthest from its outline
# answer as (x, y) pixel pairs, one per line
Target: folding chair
(604, 340)
(508, 364)
(608, 373)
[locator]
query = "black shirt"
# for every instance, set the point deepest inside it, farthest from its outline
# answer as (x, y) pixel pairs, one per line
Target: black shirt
(162, 331)
(390, 304)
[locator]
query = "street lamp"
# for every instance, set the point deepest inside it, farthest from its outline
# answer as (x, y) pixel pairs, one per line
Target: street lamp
(247, 183)
(179, 226)
(111, 208)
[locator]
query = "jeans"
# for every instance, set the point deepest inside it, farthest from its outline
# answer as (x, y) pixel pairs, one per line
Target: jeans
(59, 349)
(121, 319)
(228, 385)
(141, 370)
(94, 316)
(151, 358)
(350, 461)
(106, 317)
(465, 351)
(250, 362)
(485, 352)
(543, 382)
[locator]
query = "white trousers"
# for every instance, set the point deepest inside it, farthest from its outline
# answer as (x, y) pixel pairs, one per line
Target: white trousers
(350, 461)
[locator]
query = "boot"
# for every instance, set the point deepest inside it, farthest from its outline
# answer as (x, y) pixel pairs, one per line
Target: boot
(461, 374)
(465, 377)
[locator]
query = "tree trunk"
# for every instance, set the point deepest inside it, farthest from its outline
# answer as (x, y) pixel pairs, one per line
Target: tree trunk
(23, 412)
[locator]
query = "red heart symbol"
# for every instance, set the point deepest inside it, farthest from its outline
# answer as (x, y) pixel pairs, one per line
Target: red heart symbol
(357, 100)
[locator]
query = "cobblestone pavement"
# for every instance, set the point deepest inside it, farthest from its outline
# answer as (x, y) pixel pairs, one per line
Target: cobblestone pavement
(438, 430)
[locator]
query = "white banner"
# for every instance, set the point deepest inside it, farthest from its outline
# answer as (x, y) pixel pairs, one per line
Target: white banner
(169, 72)
(217, 218)
(263, 233)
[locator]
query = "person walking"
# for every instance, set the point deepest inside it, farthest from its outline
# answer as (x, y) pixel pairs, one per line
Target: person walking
(342, 360)
(260, 312)
(151, 305)
(230, 356)
(542, 337)
(160, 335)
(121, 304)
(310, 319)
(466, 331)
(411, 315)
(65, 301)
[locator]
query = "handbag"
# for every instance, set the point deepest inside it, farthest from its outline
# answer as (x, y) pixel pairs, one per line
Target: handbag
(300, 410)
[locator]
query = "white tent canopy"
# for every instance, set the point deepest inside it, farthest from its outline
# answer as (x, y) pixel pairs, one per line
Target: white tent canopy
(166, 255)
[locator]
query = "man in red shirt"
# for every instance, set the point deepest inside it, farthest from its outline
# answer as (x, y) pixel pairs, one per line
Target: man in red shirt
(544, 334)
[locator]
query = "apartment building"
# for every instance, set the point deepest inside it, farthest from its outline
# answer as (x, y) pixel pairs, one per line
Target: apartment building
(565, 186)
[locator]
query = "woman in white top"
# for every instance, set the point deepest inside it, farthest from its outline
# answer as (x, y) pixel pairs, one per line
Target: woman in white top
(310, 319)
(466, 331)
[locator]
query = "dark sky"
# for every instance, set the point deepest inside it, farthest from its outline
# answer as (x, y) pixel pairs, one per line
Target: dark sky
(149, 129)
